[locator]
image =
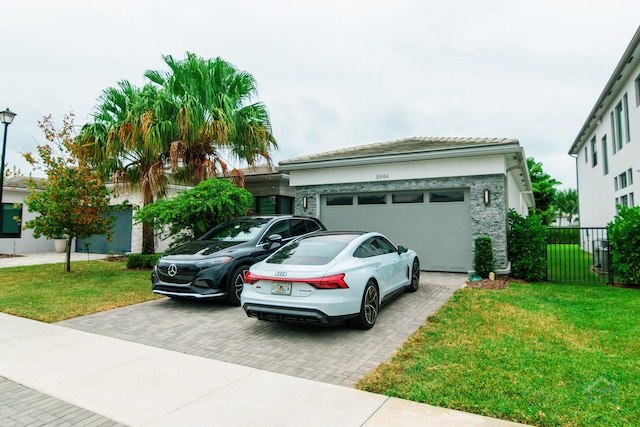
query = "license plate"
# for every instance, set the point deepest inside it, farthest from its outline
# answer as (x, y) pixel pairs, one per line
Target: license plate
(281, 288)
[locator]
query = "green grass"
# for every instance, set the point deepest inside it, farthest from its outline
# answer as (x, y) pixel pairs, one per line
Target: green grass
(567, 262)
(48, 294)
(527, 353)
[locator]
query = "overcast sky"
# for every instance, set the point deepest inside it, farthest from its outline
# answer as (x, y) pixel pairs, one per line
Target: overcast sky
(334, 74)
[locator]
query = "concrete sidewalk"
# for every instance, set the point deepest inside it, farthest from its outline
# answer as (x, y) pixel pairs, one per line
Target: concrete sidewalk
(51, 257)
(139, 385)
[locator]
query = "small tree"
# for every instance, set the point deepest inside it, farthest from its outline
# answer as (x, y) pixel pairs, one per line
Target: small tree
(527, 246)
(74, 203)
(624, 238)
(483, 258)
(192, 213)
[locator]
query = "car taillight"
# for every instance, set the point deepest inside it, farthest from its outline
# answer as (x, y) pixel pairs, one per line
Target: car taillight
(328, 282)
(251, 278)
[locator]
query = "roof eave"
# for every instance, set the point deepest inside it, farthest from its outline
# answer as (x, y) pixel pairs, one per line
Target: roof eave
(403, 157)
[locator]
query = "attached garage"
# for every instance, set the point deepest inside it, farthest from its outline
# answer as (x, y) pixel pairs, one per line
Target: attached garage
(434, 223)
(433, 195)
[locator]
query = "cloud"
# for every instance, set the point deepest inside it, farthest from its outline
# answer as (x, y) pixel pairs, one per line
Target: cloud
(334, 74)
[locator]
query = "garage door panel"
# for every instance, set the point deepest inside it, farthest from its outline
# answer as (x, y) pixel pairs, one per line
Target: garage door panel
(439, 232)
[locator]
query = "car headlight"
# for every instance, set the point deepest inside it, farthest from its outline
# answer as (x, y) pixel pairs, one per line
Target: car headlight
(212, 262)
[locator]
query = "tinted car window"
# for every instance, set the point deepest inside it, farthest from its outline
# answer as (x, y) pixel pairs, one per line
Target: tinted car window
(237, 231)
(298, 227)
(312, 226)
(374, 246)
(310, 251)
(281, 228)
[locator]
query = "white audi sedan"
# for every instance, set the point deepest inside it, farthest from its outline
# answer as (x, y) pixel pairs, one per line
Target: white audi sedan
(329, 278)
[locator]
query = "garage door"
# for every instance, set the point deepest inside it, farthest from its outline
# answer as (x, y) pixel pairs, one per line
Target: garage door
(436, 224)
(120, 242)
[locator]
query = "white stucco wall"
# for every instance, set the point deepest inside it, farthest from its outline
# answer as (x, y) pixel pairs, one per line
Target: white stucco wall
(26, 243)
(392, 171)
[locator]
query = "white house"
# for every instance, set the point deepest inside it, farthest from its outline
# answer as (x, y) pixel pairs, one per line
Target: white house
(433, 195)
(607, 148)
(270, 189)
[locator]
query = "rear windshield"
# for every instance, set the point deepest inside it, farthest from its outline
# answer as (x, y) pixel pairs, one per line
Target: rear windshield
(318, 250)
(237, 230)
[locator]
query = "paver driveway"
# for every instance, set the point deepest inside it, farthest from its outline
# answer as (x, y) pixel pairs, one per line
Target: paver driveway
(336, 355)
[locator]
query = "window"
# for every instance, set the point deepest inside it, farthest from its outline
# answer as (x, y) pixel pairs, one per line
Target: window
(619, 125)
(626, 117)
(372, 199)
(446, 196)
(622, 180)
(11, 220)
(605, 155)
(594, 152)
(632, 202)
(637, 91)
(613, 133)
(615, 183)
(586, 154)
(624, 201)
(373, 247)
(630, 176)
(339, 200)
(407, 198)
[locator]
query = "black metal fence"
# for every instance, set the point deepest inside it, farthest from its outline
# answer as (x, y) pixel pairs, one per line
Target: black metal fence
(578, 255)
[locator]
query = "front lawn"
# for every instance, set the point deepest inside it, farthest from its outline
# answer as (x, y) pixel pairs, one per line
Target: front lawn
(48, 294)
(540, 354)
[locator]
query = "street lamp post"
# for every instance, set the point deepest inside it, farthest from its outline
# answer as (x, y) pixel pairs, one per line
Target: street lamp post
(6, 117)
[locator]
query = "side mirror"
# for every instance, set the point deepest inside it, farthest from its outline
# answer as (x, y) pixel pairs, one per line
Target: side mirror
(402, 249)
(273, 240)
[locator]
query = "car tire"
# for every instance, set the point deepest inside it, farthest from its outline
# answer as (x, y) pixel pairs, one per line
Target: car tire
(415, 276)
(369, 307)
(236, 283)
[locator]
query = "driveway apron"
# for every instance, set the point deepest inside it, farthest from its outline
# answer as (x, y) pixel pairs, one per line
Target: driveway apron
(336, 355)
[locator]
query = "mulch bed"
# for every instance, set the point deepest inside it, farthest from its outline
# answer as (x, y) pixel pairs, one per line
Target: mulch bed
(497, 283)
(10, 256)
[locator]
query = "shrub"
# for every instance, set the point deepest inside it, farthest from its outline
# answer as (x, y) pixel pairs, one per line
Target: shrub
(142, 260)
(527, 246)
(624, 241)
(563, 235)
(483, 259)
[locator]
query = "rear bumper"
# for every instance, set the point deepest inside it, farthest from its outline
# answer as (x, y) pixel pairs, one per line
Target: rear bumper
(293, 315)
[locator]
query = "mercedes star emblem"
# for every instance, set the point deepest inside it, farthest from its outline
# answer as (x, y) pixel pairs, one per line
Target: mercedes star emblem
(172, 270)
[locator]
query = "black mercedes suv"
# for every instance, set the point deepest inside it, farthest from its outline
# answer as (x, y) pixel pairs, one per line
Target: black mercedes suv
(214, 265)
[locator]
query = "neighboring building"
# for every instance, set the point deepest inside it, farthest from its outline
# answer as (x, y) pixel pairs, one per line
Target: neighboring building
(271, 190)
(13, 239)
(269, 187)
(433, 195)
(607, 148)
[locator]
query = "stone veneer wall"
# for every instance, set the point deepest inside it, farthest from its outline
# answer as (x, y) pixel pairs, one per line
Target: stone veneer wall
(488, 220)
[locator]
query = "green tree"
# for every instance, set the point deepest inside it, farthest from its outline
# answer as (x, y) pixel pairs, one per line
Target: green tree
(193, 212)
(544, 190)
(75, 202)
(215, 115)
(129, 141)
(566, 202)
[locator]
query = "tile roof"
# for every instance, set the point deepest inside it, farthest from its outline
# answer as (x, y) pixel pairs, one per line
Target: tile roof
(402, 146)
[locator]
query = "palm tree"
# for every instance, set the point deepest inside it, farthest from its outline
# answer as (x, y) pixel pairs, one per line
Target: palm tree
(566, 202)
(129, 141)
(215, 114)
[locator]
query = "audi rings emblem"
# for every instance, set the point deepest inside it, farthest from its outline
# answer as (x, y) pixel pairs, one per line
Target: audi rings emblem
(172, 270)
(281, 273)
